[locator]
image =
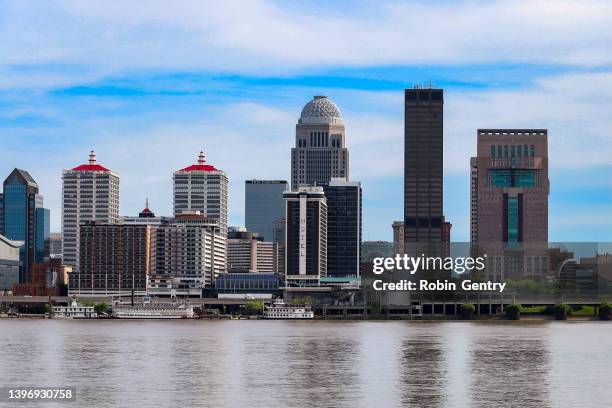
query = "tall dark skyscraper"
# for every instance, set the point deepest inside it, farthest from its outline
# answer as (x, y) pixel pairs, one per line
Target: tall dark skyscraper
(423, 157)
(25, 220)
(264, 206)
(343, 227)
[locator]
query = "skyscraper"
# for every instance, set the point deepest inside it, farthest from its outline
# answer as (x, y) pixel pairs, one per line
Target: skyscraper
(204, 188)
(509, 200)
(25, 219)
(423, 156)
(343, 227)
(43, 235)
(264, 206)
(90, 192)
(306, 236)
(319, 153)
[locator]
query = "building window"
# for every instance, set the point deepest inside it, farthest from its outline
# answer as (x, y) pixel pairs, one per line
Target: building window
(513, 178)
(532, 151)
(513, 219)
(492, 150)
(505, 150)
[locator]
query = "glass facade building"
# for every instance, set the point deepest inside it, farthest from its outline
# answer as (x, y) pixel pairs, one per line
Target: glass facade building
(264, 206)
(24, 219)
(43, 243)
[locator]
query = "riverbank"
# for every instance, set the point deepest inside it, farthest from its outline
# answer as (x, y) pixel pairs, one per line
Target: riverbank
(533, 318)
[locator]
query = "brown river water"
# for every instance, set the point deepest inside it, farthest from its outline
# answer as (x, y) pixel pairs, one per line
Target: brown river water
(310, 363)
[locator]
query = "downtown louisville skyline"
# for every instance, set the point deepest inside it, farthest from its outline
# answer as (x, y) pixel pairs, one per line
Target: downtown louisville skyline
(148, 88)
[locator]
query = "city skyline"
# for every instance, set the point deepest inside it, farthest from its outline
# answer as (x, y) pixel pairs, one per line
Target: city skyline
(62, 100)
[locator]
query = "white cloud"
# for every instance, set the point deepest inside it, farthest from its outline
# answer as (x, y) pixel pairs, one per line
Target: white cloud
(246, 37)
(574, 108)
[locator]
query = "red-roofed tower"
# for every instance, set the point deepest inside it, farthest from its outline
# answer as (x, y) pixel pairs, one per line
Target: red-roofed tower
(90, 192)
(204, 188)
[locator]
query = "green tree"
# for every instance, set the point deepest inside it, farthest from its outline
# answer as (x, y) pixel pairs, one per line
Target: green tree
(100, 308)
(48, 308)
(513, 312)
(375, 309)
(467, 311)
(254, 306)
(561, 311)
(605, 311)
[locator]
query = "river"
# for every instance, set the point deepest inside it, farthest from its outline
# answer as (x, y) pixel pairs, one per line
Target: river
(311, 363)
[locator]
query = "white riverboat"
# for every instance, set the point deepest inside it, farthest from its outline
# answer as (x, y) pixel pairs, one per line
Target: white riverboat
(74, 311)
(153, 310)
(279, 310)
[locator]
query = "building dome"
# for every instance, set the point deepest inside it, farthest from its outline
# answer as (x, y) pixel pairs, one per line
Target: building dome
(319, 110)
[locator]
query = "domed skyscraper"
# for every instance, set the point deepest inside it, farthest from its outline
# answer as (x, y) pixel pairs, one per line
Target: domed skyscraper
(319, 153)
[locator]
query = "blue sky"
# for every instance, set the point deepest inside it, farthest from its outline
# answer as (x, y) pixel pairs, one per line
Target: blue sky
(148, 87)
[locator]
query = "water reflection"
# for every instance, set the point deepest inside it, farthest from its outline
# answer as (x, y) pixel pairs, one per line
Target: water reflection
(424, 371)
(510, 371)
(322, 369)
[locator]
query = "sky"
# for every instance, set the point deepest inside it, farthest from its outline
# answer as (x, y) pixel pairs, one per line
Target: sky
(148, 85)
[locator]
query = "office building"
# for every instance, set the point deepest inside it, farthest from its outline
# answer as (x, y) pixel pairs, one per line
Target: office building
(343, 227)
(204, 188)
(190, 252)
(320, 153)
(43, 235)
(9, 263)
(248, 252)
(509, 201)
(423, 157)
(55, 245)
(306, 236)
(90, 192)
(114, 259)
(25, 220)
(264, 206)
